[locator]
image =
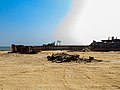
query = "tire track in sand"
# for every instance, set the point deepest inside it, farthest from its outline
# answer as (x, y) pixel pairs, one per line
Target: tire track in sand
(66, 84)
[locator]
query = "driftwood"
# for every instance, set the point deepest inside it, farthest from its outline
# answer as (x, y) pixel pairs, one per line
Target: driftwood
(63, 57)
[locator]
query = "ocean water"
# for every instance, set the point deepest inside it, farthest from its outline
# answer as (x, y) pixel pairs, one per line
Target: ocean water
(5, 48)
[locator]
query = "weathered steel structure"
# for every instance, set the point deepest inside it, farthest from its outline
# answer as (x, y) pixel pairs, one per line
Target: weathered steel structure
(34, 49)
(24, 49)
(112, 44)
(105, 45)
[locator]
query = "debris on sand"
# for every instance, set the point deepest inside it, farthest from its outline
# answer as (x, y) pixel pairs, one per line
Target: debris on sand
(63, 57)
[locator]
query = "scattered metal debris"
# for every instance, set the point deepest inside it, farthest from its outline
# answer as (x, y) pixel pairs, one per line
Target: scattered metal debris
(63, 57)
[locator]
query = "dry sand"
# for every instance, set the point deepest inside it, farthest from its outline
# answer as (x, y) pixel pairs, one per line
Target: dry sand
(34, 72)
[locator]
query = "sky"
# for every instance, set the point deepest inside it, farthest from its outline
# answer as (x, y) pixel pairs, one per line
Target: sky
(30, 22)
(90, 20)
(35, 22)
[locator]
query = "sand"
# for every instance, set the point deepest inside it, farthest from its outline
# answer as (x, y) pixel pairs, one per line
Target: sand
(34, 72)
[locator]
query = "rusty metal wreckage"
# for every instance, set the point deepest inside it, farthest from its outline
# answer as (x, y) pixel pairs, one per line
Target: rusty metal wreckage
(112, 44)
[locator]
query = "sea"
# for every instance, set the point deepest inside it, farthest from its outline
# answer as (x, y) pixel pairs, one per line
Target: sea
(5, 48)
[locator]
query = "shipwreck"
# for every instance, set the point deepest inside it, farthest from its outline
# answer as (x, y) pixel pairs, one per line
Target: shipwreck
(112, 44)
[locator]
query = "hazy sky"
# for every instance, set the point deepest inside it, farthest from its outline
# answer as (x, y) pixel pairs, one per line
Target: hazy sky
(90, 20)
(36, 22)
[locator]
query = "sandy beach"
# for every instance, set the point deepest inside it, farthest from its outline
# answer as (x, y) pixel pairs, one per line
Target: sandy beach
(34, 72)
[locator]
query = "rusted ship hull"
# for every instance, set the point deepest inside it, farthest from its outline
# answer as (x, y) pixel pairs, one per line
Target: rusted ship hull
(29, 49)
(106, 45)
